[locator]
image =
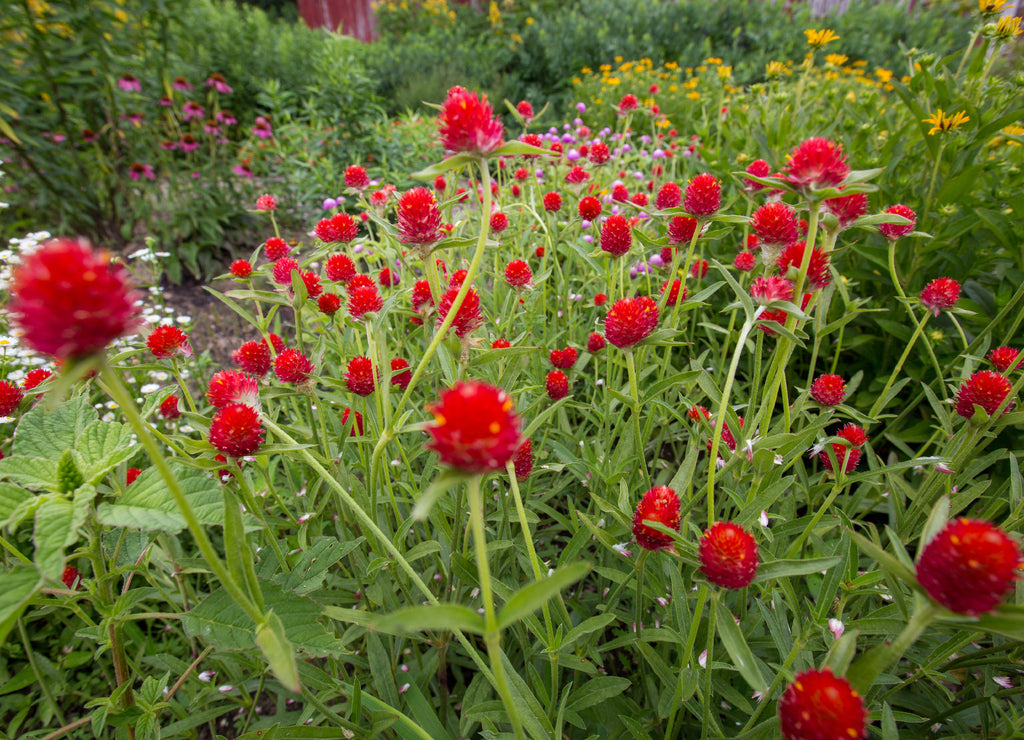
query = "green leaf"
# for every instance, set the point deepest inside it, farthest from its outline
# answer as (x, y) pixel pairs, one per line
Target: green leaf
(54, 531)
(890, 563)
(738, 649)
(309, 573)
(434, 617)
(532, 596)
(597, 690)
(10, 498)
(1006, 620)
(785, 568)
(34, 472)
(586, 627)
(103, 446)
(16, 587)
(936, 522)
(521, 147)
(220, 622)
(272, 641)
(841, 653)
(447, 480)
(445, 165)
(47, 434)
(148, 504)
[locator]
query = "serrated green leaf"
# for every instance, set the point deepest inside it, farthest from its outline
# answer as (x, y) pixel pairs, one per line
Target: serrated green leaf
(35, 472)
(738, 650)
(11, 497)
(46, 434)
(103, 446)
(220, 622)
(434, 617)
(16, 587)
(148, 504)
(53, 532)
(534, 595)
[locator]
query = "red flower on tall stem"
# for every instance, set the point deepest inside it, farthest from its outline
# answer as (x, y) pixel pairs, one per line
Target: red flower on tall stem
(475, 429)
(467, 123)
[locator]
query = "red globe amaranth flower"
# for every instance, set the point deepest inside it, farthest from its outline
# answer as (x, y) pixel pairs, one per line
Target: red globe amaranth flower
(419, 218)
(765, 290)
(681, 230)
(10, 397)
(670, 195)
(892, 232)
(821, 706)
(421, 297)
(357, 425)
(401, 375)
(828, 390)
(847, 208)
(703, 196)
(518, 274)
(595, 343)
(237, 430)
(699, 413)
(169, 407)
(475, 427)
(71, 577)
(276, 248)
(131, 475)
(577, 176)
(817, 163)
(673, 294)
(34, 377)
(1004, 359)
(499, 222)
(468, 319)
(628, 103)
(328, 303)
(589, 208)
(620, 193)
(639, 199)
(599, 153)
(233, 386)
(363, 300)
(630, 320)
(986, 389)
(941, 293)
(563, 358)
(856, 437)
(818, 273)
(727, 436)
(241, 269)
(71, 301)
(253, 357)
(745, 261)
(600, 299)
(969, 567)
(339, 228)
(728, 555)
(266, 202)
(661, 505)
(552, 202)
(775, 224)
(525, 110)
(523, 460)
(359, 376)
(283, 270)
(557, 385)
(389, 278)
(340, 268)
(167, 341)
(699, 269)
(757, 168)
(500, 344)
(356, 177)
(467, 123)
(616, 235)
(291, 366)
(778, 316)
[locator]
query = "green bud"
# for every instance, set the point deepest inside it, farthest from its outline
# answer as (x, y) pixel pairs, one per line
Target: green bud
(69, 477)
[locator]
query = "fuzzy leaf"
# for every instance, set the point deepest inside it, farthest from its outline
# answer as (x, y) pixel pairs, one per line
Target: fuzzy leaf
(34, 472)
(47, 434)
(54, 530)
(103, 446)
(16, 587)
(11, 498)
(148, 504)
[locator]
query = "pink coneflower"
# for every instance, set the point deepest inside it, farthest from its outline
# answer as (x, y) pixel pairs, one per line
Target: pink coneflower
(217, 82)
(137, 171)
(242, 170)
(168, 146)
(89, 136)
(225, 117)
(188, 143)
(181, 84)
(211, 128)
(262, 128)
(129, 83)
(192, 110)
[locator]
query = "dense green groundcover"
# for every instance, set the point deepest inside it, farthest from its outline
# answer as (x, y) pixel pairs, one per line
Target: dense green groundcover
(335, 543)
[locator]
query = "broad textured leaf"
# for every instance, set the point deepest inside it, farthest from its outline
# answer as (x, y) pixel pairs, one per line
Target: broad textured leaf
(10, 498)
(534, 595)
(432, 617)
(220, 622)
(103, 446)
(47, 434)
(35, 472)
(148, 504)
(54, 531)
(738, 649)
(16, 588)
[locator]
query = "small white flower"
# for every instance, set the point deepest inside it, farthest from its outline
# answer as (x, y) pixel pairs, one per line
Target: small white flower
(621, 548)
(836, 627)
(403, 688)
(305, 518)
(1005, 681)
(703, 659)
(763, 519)
(149, 388)
(206, 676)
(226, 688)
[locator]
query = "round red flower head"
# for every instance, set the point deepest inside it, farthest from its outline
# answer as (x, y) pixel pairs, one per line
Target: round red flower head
(523, 461)
(363, 300)
(419, 218)
(1004, 359)
(821, 706)
(34, 377)
(237, 430)
(552, 202)
(253, 357)
(670, 195)
(941, 293)
(167, 341)
(169, 407)
(828, 390)
(856, 437)
(589, 208)
(985, 388)
(467, 123)
(681, 229)
(775, 224)
(356, 177)
(728, 555)
(969, 567)
(703, 196)
(595, 343)
(291, 366)
(10, 397)
(70, 300)
(475, 429)
(630, 320)
(233, 386)
(359, 376)
(401, 375)
(518, 274)
(241, 269)
(616, 235)
(892, 232)
(557, 384)
(818, 273)
(661, 505)
(817, 163)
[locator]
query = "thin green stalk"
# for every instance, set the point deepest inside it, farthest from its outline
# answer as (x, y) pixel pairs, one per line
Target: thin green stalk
(492, 634)
(634, 393)
(880, 400)
(44, 685)
(710, 646)
(866, 670)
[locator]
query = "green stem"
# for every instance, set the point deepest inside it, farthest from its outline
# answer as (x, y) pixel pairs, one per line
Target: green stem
(710, 645)
(866, 670)
(880, 400)
(634, 393)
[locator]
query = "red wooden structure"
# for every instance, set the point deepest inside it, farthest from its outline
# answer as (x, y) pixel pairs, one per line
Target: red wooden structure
(350, 17)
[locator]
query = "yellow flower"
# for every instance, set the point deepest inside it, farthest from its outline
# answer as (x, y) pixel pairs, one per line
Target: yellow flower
(992, 7)
(774, 69)
(1007, 27)
(940, 121)
(883, 74)
(712, 60)
(724, 72)
(529, 21)
(836, 60)
(693, 95)
(586, 71)
(817, 39)
(612, 80)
